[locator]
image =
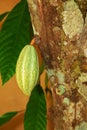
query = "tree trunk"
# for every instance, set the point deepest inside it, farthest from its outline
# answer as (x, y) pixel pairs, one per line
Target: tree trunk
(60, 28)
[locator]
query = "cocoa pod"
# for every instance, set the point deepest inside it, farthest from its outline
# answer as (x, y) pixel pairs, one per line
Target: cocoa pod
(27, 69)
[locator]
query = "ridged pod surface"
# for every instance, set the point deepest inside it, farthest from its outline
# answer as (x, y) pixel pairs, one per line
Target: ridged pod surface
(27, 69)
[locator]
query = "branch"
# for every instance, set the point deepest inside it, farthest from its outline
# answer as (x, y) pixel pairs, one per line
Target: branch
(60, 28)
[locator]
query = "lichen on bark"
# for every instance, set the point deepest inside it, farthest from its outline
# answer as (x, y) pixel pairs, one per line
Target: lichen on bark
(61, 27)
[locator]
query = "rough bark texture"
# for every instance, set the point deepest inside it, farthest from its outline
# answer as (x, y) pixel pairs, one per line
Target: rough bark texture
(60, 28)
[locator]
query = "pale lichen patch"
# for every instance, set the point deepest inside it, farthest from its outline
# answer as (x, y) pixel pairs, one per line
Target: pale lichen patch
(60, 90)
(82, 126)
(61, 77)
(72, 19)
(83, 77)
(66, 101)
(81, 84)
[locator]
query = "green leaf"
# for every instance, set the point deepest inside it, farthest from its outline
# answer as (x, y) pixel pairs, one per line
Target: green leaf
(35, 115)
(15, 34)
(3, 15)
(6, 117)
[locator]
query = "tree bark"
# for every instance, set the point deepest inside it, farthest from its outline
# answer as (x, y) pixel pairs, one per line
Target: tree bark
(60, 28)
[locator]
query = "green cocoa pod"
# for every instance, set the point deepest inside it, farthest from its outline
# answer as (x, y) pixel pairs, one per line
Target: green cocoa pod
(27, 69)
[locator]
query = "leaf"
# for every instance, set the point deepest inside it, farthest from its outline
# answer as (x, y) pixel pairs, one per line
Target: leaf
(6, 117)
(35, 115)
(3, 15)
(16, 32)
